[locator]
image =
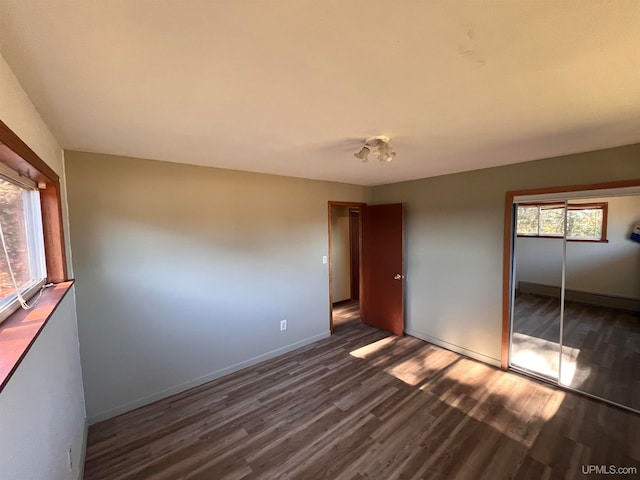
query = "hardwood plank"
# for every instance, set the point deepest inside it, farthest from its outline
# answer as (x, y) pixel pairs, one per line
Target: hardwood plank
(364, 405)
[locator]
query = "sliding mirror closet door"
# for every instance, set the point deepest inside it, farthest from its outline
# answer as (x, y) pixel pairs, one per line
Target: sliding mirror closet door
(601, 322)
(536, 304)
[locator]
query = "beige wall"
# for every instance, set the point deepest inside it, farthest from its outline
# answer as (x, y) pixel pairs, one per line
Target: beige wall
(454, 242)
(17, 111)
(184, 273)
(340, 254)
(22, 117)
(42, 407)
(603, 268)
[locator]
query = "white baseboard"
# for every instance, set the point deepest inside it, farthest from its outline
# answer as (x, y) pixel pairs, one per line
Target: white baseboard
(454, 348)
(204, 379)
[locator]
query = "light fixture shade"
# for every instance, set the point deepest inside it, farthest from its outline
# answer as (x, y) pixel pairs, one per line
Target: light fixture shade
(363, 154)
(379, 147)
(378, 142)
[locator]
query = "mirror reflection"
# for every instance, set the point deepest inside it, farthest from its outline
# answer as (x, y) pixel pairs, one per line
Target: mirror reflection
(601, 322)
(576, 288)
(538, 255)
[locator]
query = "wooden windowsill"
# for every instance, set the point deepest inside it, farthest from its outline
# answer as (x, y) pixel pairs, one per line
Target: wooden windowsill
(604, 240)
(20, 330)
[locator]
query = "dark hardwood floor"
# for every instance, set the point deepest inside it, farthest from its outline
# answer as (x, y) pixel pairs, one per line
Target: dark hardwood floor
(601, 346)
(346, 312)
(365, 405)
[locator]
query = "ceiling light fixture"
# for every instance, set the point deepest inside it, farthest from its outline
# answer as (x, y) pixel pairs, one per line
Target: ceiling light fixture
(377, 146)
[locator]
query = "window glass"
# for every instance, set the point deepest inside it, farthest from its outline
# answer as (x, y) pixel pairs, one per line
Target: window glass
(584, 221)
(527, 220)
(20, 219)
(552, 221)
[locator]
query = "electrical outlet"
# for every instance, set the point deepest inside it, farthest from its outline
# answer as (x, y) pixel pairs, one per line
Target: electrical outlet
(70, 458)
(283, 325)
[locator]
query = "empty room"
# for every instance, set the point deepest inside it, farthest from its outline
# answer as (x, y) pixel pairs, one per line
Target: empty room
(291, 239)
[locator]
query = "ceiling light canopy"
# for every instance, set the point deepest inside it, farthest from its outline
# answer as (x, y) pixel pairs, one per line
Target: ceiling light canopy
(378, 147)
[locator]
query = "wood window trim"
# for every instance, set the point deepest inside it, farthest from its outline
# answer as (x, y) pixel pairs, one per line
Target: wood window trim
(19, 331)
(604, 206)
(508, 245)
(17, 155)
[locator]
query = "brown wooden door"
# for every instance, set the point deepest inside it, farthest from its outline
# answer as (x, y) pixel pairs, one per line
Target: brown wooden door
(382, 294)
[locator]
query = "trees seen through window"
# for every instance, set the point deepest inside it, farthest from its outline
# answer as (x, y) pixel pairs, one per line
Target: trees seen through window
(585, 222)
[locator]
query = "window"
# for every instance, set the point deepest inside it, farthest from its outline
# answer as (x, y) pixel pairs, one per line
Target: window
(585, 221)
(24, 271)
(31, 208)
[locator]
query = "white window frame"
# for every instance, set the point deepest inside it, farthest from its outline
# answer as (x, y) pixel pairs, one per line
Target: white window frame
(35, 243)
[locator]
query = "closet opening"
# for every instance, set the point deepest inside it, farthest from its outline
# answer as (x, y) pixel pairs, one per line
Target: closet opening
(571, 311)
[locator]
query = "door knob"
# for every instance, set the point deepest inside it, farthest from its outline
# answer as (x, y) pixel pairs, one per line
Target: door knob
(398, 277)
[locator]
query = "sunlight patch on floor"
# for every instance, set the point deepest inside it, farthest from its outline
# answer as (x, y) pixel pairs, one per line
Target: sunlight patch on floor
(469, 379)
(371, 349)
(543, 357)
(514, 418)
(410, 371)
(468, 372)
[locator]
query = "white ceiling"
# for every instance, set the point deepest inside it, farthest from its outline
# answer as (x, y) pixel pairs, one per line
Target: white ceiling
(292, 86)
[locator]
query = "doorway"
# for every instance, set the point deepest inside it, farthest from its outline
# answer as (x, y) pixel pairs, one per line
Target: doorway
(344, 263)
(574, 289)
(366, 245)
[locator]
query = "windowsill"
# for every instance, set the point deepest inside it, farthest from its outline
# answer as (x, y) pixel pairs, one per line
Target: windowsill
(20, 330)
(560, 238)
